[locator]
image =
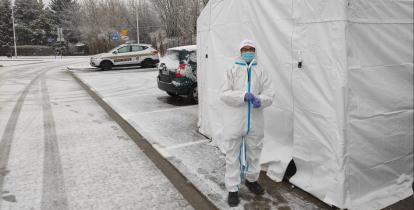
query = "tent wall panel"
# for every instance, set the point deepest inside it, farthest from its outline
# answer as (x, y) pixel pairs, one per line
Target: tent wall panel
(346, 116)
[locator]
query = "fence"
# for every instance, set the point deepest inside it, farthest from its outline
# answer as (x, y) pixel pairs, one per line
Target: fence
(27, 50)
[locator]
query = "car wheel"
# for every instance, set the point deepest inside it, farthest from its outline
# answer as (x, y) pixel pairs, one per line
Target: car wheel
(193, 95)
(148, 63)
(106, 65)
(172, 94)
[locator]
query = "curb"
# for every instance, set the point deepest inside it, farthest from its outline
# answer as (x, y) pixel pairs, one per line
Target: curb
(89, 68)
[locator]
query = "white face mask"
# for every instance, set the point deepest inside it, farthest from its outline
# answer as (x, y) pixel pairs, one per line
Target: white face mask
(248, 56)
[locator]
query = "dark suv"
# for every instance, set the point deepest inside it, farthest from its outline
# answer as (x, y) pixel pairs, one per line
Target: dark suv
(178, 72)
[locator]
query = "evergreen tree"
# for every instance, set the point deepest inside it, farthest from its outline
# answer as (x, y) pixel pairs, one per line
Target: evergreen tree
(28, 25)
(61, 5)
(45, 23)
(48, 24)
(6, 25)
(34, 23)
(65, 15)
(58, 7)
(39, 24)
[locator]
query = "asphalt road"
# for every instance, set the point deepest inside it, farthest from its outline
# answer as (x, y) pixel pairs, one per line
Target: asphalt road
(114, 142)
(60, 150)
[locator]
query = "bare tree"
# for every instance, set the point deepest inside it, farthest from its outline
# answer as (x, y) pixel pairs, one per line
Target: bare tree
(101, 19)
(169, 12)
(179, 19)
(172, 22)
(148, 19)
(204, 2)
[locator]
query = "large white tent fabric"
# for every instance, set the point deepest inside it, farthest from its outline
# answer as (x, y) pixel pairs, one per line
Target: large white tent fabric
(346, 116)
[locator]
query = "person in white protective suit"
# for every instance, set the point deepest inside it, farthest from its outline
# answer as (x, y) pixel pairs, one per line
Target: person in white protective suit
(247, 90)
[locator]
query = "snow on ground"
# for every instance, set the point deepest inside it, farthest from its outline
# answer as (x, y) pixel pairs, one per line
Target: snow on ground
(170, 125)
(10, 63)
(31, 60)
(60, 150)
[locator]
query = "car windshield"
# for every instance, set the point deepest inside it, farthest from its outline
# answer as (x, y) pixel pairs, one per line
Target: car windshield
(115, 49)
(179, 55)
(174, 57)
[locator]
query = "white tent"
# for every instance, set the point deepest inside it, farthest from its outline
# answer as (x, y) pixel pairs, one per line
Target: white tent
(346, 116)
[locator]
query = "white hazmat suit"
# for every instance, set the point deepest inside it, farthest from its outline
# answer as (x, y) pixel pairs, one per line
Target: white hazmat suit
(236, 119)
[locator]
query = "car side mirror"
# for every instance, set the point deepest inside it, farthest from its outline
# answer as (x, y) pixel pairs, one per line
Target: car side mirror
(115, 52)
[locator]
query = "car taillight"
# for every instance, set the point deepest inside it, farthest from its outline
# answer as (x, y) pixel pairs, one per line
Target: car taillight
(182, 66)
(178, 75)
(154, 52)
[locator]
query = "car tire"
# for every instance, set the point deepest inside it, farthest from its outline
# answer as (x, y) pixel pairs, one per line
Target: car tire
(193, 94)
(148, 63)
(106, 65)
(172, 94)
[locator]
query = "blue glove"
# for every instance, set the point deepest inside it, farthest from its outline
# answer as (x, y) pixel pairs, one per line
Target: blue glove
(256, 103)
(248, 97)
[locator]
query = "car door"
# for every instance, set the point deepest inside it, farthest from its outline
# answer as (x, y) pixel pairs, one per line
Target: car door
(139, 53)
(123, 56)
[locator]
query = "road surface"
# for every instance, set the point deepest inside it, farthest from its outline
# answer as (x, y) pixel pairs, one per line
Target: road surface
(60, 150)
(88, 139)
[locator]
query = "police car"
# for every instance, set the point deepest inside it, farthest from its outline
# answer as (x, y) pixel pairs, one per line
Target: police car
(127, 55)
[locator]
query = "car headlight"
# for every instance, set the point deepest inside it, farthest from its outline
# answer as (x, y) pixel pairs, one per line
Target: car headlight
(95, 59)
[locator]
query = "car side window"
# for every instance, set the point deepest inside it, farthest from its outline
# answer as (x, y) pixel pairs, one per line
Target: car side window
(137, 48)
(124, 49)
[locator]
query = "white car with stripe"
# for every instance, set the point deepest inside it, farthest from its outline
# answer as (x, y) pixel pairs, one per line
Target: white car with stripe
(127, 55)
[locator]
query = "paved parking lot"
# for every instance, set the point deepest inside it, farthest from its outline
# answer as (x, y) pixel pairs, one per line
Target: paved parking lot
(170, 125)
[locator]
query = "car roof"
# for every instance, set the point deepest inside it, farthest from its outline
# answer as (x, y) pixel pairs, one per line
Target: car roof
(147, 45)
(188, 48)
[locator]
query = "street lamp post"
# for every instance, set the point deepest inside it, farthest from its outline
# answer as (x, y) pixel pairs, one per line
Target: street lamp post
(14, 33)
(137, 14)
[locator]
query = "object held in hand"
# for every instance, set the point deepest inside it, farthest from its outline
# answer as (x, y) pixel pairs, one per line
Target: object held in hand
(256, 103)
(249, 97)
